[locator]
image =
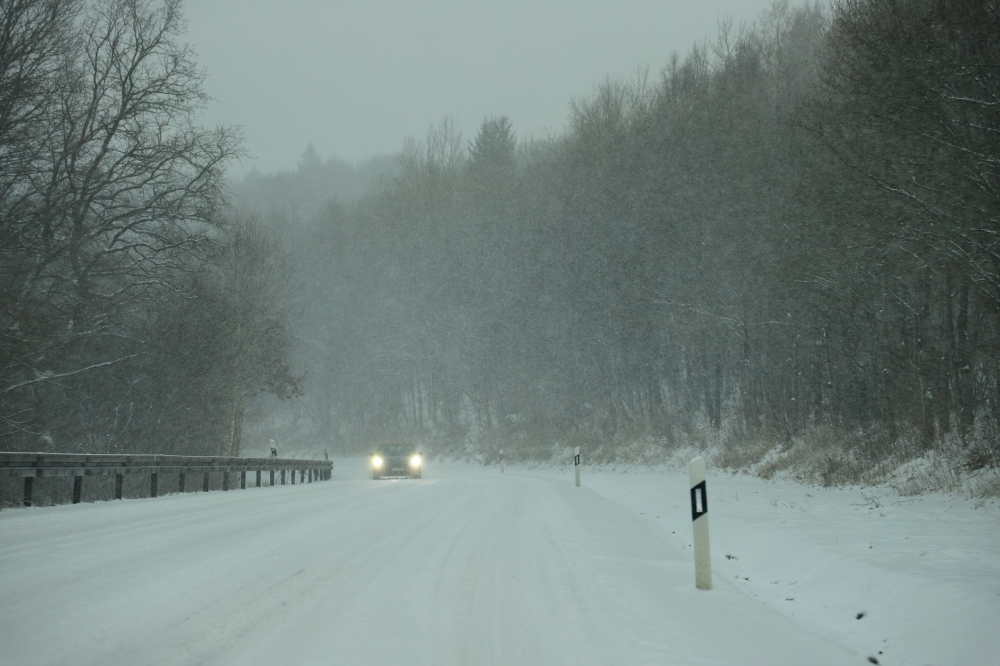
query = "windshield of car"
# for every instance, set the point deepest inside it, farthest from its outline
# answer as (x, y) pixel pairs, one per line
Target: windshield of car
(396, 449)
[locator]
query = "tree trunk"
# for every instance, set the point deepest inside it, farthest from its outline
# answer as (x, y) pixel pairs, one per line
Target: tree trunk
(236, 423)
(963, 365)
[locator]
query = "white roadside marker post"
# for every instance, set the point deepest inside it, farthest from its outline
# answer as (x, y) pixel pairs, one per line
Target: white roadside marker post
(699, 518)
(501, 461)
(576, 465)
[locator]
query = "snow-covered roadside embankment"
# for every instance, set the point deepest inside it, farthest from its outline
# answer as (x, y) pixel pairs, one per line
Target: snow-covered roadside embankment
(907, 580)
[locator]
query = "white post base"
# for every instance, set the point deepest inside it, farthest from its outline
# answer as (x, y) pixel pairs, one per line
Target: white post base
(576, 465)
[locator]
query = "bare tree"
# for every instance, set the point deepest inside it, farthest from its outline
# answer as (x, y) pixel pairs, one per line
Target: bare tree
(117, 191)
(254, 278)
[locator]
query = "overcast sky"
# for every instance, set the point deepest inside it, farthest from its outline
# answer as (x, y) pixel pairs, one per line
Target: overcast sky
(354, 77)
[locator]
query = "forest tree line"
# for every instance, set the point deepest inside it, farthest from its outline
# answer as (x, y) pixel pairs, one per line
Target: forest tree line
(790, 234)
(138, 311)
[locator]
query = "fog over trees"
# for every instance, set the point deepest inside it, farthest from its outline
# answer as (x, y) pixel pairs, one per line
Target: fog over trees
(785, 238)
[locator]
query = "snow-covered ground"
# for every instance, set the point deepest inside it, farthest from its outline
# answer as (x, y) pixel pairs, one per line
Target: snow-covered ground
(468, 566)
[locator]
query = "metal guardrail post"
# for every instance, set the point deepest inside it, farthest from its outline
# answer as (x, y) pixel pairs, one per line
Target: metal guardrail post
(29, 481)
(152, 484)
(77, 489)
(119, 479)
(204, 484)
(225, 480)
(180, 482)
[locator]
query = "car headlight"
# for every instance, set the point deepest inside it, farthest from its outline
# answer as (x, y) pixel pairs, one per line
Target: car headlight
(415, 461)
(376, 461)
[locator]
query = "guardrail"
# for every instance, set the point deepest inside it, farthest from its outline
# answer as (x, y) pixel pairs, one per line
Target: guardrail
(31, 466)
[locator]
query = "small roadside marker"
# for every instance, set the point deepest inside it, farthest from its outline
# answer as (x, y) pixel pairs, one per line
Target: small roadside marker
(699, 522)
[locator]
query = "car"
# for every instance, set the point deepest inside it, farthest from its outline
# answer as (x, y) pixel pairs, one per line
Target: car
(395, 460)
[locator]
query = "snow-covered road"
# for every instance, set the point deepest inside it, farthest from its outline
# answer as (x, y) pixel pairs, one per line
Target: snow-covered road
(468, 566)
